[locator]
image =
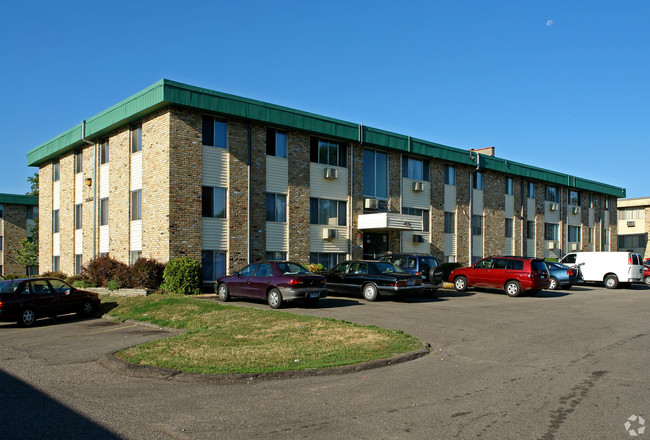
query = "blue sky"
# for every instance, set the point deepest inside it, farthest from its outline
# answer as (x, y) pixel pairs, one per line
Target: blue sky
(556, 84)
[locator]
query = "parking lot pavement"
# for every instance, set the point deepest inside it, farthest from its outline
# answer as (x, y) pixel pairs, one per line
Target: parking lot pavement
(566, 364)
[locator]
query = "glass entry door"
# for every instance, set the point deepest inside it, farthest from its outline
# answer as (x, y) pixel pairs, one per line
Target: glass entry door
(374, 245)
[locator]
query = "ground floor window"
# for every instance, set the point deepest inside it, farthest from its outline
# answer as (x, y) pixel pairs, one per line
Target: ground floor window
(450, 259)
(574, 234)
(32, 271)
(631, 241)
(508, 227)
(424, 213)
(328, 260)
(55, 263)
(214, 265)
(78, 262)
(477, 225)
(476, 260)
(551, 231)
(530, 230)
(134, 256)
(275, 256)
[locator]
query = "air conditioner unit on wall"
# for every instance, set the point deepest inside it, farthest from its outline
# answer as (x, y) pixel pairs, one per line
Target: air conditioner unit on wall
(576, 210)
(574, 246)
(630, 224)
(551, 245)
(418, 186)
(330, 234)
(418, 239)
(554, 207)
(370, 203)
(331, 173)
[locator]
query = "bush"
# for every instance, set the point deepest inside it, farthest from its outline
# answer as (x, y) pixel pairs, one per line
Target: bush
(447, 268)
(147, 273)
(81, 284)
(114, 284)
(315, 267)
(103, 269)
(182, 276)
(60, 275)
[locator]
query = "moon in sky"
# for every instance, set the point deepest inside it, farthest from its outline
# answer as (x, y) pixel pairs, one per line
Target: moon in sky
(549, 22)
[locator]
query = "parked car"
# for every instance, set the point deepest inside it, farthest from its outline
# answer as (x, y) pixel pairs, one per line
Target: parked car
(275, 281)
(561, 276)
(372, 279)
(512, 274)
(646, 274)
(427, 266)
(26, 300)
(610, 268)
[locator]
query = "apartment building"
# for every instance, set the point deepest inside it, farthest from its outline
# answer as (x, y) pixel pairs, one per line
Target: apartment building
(17, 214)
(177, 170)
(634, 225)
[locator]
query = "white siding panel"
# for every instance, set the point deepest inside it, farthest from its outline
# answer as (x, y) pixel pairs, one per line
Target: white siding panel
(215, 234)
(136, 172)
(276, 237)
(450, 244)
(551, 216)
(78, 188)
(415, 199)
(336, 189)
(2, 226)
(510, 207)
(530, 247)
(318, 244)
(510, 246)
(574, 219)
(477, 202)
(78, 242)
(277, 175)
(104, 176)
(136, 235)
(104, 243)
(477, 246)
(56, 244)
(592, 217)
(606, 222)
(530, 209)
(408, 246)
(450, 198)
(215, 167)
(56, 195)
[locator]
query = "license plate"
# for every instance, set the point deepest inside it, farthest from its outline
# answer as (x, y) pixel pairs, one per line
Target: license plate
(313, 295)
(411, 282)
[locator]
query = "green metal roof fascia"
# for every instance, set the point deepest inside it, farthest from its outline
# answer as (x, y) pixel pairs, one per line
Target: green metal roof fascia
(231, 105)
(18, 199)
(128, 110)
(386, 139)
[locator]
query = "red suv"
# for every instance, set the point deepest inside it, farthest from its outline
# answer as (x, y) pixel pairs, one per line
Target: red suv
(512, 274)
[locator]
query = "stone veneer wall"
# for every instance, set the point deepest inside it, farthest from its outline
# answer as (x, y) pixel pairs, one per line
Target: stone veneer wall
(15, 230)
(437, 215)
(298, 197)
(493, 214)
(519, 222)
(357, 198)
(463, 215)
(540, 218)
(238, 193)
(394, 196)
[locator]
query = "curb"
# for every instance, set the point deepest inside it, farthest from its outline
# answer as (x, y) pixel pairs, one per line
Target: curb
(113, 363)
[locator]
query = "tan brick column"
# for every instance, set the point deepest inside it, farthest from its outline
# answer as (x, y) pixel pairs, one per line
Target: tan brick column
(66, 213)
(45, 218)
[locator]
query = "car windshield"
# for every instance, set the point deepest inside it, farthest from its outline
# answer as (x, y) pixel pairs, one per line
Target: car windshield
(8, 286)
(293, 269)
(387, 268)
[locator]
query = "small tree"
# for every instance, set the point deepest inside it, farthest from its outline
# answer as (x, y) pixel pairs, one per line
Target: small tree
(27, 253)
(33, 185)
(183, 276)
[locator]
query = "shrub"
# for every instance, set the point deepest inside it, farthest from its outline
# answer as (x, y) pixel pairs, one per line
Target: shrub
(447, 268)
(315, 267)
(114, 284)
(60, 275)
(72, 279)
(81, 284)
(103, 269)
(183, 276)
(147, 273)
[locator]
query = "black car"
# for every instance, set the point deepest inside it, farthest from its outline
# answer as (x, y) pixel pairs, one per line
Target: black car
(372, 279)
(26, 300)
(427, 266)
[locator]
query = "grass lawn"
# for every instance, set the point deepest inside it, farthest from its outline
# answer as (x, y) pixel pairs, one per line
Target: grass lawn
(221, 339)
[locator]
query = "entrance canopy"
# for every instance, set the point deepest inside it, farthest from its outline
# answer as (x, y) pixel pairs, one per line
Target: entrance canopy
(390, 221)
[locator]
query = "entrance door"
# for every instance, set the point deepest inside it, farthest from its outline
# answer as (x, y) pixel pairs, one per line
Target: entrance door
(374, 245)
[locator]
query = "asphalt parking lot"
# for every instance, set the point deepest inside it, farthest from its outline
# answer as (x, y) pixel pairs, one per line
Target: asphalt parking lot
(564, 365)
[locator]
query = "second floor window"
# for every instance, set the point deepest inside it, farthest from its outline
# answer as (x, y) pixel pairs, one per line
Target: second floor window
(424, 213)
(551, 231)
(78, 216)
(214, 202)
(103, 151)
(552, 194)
(136, 138)
(56, 171)
(510, 186)
(416, 169)
(55, 221)
(450, 222)
(375, 174)
(276, 207)
(78, 161)
(276, 143)
(136, 204)
(103, 211)
(329, 152)
(574, 198)
(215, 132)
(327, 212)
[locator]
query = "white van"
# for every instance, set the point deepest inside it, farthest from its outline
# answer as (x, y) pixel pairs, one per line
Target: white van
(611, 268)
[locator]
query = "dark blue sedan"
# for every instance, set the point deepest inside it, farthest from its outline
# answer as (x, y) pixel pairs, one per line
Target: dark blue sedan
(561, 276)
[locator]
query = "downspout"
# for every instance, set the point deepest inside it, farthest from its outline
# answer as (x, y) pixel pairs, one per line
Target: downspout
(83, 138)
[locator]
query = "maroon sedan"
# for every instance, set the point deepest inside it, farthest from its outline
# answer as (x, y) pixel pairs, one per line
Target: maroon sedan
(275, 281)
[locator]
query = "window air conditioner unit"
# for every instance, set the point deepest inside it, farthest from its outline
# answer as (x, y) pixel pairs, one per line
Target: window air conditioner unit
(551, 245)
(418, 186)
(576, 210)
(554, 206)
(330, 234)
(630, 224)
(574, 246)
(331, 173)
(371, 203)
(418, 239)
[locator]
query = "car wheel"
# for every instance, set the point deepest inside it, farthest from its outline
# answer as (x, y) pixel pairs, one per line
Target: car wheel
(554, 284)
(274, 298)
(27, 318)
(311, 302)
(370, 292)
(647, 280)
(611, 281)
(224, 293)
(513, 288)
(87, 308)
(460, 284)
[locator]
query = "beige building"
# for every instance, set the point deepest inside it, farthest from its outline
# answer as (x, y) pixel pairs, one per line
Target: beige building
(634, 225)
(17, 213)
(177, 170)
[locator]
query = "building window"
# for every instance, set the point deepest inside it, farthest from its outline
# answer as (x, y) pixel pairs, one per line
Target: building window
(424, 213)
(531, 190)
(574, 234)
(55, 263)
(530, 230)
(103, 211)
(1, 237)
(214, 202)
(134, 256)
(78, 263)
(56, 171)
(214, 265)
(416, 169)
(275, 256)
(78, 216)
(276, 207)
(606, 237)
(103, 151)
(276, 143)
(552, 194)
(327, 212)
(215, 132)
(136, 137)
(78, 161)
(591, 200)
(450, 222)
(329, 152)
(32, 271)
(328, 260)
(2, 211)
(55, 221)
(574, 198)
(375, 174)
(450, 175)
(449, 259)
(136, 205)
(31, 212)
(477, 225)
(477, 181)
(510, 186)
(607, 204)
(551, 231)
(508, 227)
